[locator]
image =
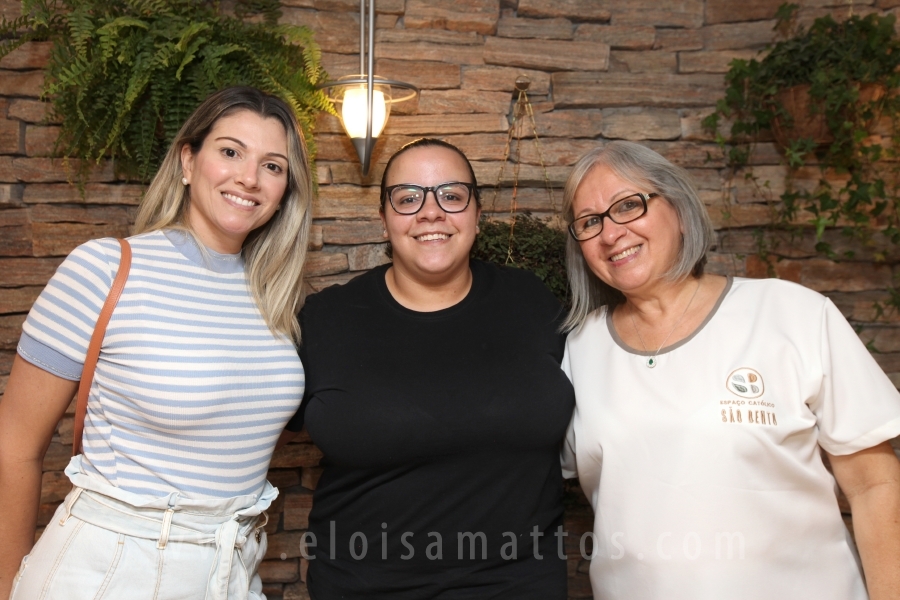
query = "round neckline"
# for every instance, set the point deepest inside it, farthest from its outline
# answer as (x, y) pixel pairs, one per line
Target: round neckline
(729, 280)
(190, 248)
(475, 290)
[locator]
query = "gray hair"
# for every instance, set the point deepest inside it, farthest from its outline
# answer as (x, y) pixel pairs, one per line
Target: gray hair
(643, 167)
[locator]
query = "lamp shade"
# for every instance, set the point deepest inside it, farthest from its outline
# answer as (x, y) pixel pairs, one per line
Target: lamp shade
(354, 114)
(350, 97)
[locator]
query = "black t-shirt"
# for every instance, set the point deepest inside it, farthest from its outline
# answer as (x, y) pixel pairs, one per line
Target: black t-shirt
(441, 434)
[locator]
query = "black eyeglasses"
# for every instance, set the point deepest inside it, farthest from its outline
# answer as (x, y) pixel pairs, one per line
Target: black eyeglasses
(626, 210)
(408, 199)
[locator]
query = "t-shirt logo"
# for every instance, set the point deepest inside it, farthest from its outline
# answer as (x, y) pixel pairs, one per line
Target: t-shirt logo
(746, 383)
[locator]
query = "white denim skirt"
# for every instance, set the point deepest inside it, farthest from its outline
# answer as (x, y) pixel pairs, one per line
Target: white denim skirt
(104, 542)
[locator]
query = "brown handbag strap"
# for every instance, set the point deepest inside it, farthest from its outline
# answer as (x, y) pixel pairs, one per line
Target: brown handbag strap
(93, 352)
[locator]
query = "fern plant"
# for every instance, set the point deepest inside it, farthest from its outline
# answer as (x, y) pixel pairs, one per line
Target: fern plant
(125, 74)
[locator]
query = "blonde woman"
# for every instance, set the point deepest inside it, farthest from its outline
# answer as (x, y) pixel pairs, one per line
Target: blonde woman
(197, 375)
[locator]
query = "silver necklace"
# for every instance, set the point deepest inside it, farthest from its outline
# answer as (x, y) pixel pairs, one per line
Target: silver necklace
(651, 361)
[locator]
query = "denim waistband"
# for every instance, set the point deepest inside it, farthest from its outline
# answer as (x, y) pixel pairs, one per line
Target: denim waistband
(226, 523)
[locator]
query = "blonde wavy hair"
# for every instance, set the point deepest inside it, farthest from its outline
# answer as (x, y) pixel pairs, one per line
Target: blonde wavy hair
(274, 254)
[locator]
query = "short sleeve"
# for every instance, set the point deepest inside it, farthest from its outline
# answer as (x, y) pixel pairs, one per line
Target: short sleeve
(58, 329)
(857, 406)
(567, 450)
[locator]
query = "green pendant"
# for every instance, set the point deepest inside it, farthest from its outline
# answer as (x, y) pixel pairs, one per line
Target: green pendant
(651, 362)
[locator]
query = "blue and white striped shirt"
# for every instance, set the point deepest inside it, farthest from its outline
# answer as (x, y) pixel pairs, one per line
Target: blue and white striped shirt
(192, 390)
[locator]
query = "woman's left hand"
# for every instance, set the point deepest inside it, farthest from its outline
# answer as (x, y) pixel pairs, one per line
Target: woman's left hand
(871, 481)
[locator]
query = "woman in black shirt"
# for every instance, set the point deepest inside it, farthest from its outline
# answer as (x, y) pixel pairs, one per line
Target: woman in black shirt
(433, 389)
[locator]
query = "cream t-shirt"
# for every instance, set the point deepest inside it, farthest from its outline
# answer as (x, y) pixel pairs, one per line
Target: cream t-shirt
(705, 472)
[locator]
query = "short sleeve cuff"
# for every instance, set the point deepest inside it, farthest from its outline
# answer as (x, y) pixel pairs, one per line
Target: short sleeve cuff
(46, 358)
(886, 432)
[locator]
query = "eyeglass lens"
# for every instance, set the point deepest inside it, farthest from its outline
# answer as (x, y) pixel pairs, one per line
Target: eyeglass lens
(623, 211)
(451, 197)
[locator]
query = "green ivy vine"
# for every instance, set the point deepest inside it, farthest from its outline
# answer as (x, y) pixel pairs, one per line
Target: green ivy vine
(857, 190)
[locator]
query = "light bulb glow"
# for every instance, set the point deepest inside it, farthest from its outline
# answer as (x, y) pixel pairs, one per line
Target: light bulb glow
(353, 112)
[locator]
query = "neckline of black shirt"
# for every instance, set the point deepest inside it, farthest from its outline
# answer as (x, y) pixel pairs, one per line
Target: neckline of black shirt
(481, 280)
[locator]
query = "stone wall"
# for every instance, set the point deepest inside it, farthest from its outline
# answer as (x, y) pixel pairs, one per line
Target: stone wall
(640, 70)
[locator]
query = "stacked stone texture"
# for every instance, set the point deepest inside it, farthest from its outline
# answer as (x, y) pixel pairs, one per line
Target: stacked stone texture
(640, 70)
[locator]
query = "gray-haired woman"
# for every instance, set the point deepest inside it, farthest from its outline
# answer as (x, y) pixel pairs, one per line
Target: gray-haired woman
(703, 401)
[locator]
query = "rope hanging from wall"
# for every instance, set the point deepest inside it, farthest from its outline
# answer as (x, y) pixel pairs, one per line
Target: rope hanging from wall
(522, 120)
(524, 241)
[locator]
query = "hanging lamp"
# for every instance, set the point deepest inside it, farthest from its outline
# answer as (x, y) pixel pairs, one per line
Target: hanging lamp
(364, 100)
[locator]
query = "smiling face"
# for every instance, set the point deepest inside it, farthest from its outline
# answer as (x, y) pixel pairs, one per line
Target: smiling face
(632, 258)
(431, 246)
(237, 179)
